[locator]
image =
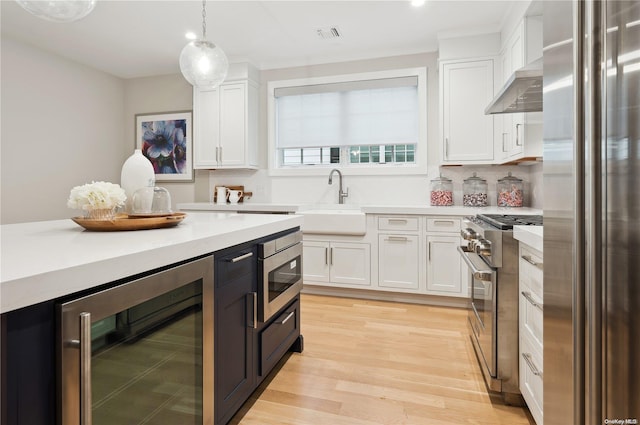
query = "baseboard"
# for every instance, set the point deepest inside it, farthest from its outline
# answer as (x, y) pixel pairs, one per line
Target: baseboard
(434, 300)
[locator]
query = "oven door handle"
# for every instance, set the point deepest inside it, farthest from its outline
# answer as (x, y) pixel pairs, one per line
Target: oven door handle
(484, 274)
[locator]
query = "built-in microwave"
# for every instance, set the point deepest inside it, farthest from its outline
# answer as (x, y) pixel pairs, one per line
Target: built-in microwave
(280, 273)
(139, 352)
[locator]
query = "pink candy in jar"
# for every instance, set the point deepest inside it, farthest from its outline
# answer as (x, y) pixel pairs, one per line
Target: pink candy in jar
(510, 192)
(441, 192)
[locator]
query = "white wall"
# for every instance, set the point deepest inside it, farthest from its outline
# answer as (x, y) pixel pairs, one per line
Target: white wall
(161, 94)
(64, 124)
(61, 127)
(370, 190)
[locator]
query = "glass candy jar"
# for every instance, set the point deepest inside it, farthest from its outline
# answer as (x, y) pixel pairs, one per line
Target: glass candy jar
(441, 192)
(474, 192)
(510, 192)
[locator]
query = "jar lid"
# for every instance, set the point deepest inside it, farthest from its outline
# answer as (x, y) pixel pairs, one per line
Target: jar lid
(441, 178)
(474, 179)
(510, 178)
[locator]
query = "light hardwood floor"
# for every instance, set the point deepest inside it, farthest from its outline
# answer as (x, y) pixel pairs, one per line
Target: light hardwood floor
(369, 362)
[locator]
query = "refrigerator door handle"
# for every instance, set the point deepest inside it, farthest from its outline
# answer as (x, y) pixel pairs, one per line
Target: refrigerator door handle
(578, 293)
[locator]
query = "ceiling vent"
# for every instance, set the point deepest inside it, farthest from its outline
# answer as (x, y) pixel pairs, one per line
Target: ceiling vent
(328, 33)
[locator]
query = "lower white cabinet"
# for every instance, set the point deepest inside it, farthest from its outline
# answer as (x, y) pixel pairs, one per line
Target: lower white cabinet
(531, 322)
(398, 261)
(315, 258)
(343, 263)
(409, 254)
(443, 265)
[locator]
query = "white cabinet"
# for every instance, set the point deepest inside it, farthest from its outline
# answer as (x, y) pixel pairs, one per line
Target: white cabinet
(444, 264)
(399, 253)
(398, 261)
(226, 126)
(467, 134)
(336, 263)
(521, 134)
(315, 261)
(531, 329)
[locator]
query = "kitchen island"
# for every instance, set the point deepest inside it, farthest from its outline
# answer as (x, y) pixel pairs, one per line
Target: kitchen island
(121, 293)
(46, 260)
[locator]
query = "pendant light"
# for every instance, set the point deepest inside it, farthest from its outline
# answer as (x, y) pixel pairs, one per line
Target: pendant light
(58, 10)
(202, 63)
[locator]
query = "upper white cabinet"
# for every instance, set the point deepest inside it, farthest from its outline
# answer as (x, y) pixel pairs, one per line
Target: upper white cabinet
(521, 133)
(467, 134)
(226, 126)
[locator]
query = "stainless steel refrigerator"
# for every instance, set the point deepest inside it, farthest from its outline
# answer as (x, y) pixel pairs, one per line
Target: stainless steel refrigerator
(591, 180)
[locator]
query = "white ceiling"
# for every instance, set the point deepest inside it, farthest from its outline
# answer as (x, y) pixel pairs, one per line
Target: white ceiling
(142, 38)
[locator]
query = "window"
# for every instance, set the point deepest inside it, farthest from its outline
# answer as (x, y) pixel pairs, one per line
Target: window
(363, 122)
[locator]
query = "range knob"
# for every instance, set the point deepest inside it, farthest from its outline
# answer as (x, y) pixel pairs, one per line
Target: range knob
(483, 247)
(468, 234)
(471, 246)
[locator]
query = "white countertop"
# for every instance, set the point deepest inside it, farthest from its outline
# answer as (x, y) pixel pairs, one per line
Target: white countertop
(243, 206)
(367, 209)
(45, 260)
(530, 235)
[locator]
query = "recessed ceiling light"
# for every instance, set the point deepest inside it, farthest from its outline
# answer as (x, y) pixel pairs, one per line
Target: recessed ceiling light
(190, 35)
(417, 3)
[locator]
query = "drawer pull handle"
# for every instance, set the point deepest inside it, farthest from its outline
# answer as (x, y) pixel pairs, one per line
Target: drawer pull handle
(241, 257)
(444, 222)
(528, 259)
(527, 358)
(286, 319)
(397, 238)
(528, 297)
(397, 220)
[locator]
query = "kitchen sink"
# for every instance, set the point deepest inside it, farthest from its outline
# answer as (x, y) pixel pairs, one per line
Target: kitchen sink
(334, 220)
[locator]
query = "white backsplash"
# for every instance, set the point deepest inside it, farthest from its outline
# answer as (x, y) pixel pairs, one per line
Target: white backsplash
(374, 190)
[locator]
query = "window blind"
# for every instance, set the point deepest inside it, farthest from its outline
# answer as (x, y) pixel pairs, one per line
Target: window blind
(370, 112)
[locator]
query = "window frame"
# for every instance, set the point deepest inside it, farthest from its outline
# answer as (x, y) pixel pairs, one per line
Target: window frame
(418, 167)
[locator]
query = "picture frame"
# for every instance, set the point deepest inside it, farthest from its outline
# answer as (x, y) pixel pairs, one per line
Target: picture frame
(165, 139)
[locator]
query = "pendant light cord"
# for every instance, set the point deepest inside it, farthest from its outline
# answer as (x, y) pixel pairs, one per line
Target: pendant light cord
(204, 20)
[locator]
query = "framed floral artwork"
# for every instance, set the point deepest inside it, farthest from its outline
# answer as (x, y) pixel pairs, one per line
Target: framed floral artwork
(165, 139)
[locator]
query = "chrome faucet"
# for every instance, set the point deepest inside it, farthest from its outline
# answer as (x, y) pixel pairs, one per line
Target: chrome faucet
(341, 194)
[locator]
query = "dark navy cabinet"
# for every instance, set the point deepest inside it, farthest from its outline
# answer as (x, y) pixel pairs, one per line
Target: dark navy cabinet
(28, 365)
(246, 349)
(235, 296)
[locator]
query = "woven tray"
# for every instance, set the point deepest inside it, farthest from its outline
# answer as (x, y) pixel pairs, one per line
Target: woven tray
(123, 222)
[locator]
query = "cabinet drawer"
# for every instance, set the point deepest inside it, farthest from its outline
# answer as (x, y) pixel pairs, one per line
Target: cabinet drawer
(398, 223)
(531, 316)
(278, 336)
(531, 269)
(531, 378)
(235, 265)
(443, 224)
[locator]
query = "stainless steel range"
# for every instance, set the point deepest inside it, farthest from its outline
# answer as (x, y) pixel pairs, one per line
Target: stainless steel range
(492, 257)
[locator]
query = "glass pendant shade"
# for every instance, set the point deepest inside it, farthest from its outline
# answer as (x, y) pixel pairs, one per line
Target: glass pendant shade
(58, 10)
(203, 64)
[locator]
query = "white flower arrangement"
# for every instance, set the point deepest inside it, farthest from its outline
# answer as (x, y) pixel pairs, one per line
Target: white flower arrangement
(96, 195)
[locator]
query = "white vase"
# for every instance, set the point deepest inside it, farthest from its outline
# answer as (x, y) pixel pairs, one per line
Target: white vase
(137, 172)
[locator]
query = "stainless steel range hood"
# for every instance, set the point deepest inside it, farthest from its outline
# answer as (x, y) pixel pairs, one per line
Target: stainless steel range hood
(521, 93)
